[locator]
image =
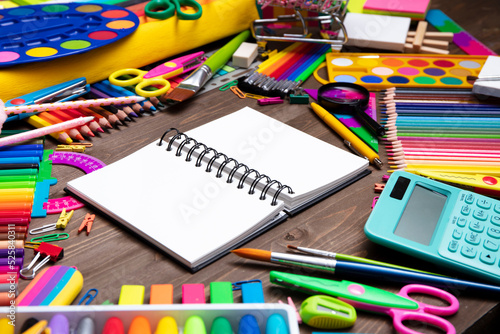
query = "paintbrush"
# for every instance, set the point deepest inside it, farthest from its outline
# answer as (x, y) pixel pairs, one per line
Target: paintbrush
(366, 271)
(199, 77)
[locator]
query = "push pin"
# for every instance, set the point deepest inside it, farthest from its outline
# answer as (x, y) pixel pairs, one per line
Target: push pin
(51, 252)
(87, 223)
(61, 223)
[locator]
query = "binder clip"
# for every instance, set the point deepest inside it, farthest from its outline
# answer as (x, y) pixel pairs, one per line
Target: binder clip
(299, 97)
(87, 223)
(330, 14)
(251, 290)
(51, 252)
(61, 223)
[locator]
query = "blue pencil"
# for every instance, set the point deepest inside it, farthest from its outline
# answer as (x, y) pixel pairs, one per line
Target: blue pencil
(126, 92)
(113, 93)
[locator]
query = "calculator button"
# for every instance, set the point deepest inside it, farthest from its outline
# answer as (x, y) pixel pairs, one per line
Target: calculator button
(484, 203)
(457, 234)
(472, 238)
(465, 210)
(453, 246)
(490, 245)
(497, 208)
(468, 251)
(487, 258)
(495, 220)
(461, 222)
(480, 214)
(494, 232)
(476, 226)
(469, 198)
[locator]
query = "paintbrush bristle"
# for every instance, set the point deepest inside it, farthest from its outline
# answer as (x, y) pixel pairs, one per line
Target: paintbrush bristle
(291, 247)
(180, 94)
(254, 254)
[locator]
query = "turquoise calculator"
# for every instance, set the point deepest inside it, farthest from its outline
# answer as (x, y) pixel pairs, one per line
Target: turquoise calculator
(439, 223)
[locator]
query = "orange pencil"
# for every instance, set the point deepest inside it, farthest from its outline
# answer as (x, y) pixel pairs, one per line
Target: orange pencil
(84, 129)
(39, 123)
(73, 133)
(74, 113)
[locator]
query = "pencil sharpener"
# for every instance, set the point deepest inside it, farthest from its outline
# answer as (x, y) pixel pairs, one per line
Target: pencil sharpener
(327, 312)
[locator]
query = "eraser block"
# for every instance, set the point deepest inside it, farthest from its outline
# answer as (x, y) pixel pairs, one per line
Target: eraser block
(161, 294)
(193, 294)
(221, 293)
(245, 55)
(132, 295)
(53, 286)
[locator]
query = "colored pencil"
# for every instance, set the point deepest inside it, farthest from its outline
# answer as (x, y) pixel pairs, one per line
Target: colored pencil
(101, 120)
(74, 113)
(84, 129)
(51, 129)
(53, 119)
(129, 109)
(122, 115)
(125, 92)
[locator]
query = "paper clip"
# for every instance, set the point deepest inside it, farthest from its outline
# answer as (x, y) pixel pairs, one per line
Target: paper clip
(51, 237)
(238, 92)
(51, 252)
(228, 85)
(87, 222)
(60, 224)
(88, 295)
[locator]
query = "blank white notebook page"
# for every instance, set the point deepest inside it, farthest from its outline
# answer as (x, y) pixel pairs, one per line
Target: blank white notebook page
(283, 153)
(172, 203)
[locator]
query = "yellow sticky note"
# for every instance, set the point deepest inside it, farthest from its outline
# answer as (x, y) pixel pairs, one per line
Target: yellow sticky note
(132, 295)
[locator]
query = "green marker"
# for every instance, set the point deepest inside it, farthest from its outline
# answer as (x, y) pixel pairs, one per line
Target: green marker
(221, 326)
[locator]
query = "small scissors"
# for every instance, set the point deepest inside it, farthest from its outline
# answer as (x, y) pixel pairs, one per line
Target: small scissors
(164, 9)
(157, 76)
(399, 306)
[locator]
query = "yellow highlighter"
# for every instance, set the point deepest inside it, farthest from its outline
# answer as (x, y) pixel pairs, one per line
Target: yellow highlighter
(167, 325)
(350, 138)
(6, 327)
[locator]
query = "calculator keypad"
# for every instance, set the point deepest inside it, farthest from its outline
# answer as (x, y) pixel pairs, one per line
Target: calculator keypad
(473, 235)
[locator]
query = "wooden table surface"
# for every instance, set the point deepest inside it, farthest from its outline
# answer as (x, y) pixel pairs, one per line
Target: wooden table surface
(111, 257)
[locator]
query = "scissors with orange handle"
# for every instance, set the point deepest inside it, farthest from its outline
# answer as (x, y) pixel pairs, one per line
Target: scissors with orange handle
(158, 76)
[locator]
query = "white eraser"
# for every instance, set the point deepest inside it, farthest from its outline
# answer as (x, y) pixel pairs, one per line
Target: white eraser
(245, 55)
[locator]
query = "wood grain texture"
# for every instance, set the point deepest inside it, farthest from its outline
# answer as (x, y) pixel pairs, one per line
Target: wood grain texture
(111, 257)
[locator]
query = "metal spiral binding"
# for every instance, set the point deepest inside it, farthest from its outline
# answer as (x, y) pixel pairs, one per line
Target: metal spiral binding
(216, 155)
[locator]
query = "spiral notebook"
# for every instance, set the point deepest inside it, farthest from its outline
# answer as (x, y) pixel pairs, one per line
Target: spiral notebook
(199, 194)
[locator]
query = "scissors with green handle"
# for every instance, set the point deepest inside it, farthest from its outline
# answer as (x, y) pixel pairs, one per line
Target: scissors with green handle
(164, 9)
(158, 76)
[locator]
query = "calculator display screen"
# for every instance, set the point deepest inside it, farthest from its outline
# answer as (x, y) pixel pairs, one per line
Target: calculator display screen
(421, 215)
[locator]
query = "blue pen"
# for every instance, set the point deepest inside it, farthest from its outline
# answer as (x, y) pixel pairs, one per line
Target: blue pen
(62, 92)
(248, 325)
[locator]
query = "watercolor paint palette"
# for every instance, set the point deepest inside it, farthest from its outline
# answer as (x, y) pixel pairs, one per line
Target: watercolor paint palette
(154, 313)
(376, 72)
(44, 32)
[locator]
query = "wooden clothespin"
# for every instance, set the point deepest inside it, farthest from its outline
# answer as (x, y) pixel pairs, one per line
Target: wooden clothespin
(379, 187)
(422, 41)
(87, 223)
(61, 223)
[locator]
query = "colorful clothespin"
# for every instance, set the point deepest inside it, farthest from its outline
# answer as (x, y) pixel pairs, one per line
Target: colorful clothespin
(87, 222)
(379, 187)
(270, 100)
(61, 223)
(51, 252)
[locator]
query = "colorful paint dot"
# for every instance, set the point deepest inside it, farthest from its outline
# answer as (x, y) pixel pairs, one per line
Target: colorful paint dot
(345, 78)
(451, 81)
(469, 64)
(55, 8)
(21, 11)
(424, 80)
(88, 8)
(382, 70)
(120, 24)
(371, 79)
(392, 62)
(41, 52)
(6, 56)
(418, 63)
(408, 71)
(444, 63)
(102, 35)
(460, 72)
(115, 14)
(75, 44)
(398, 80)
(342, 62)
(368, 62)
(434, 71)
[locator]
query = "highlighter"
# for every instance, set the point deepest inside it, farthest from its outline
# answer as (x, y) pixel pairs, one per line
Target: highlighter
(139, 325)
(59, 324)
(37, 328)
(248, 325)
(276, 324)
(221, 326)
(167, 325)
(194, 325)
(6, 327)
(113, 326)
(85, 326)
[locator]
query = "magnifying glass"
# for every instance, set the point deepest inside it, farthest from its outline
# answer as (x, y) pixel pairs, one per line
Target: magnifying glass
(348, 99)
